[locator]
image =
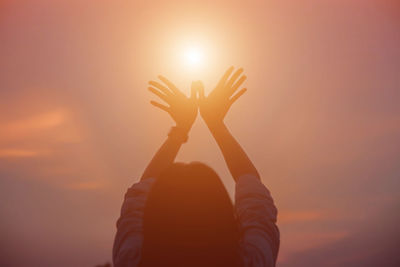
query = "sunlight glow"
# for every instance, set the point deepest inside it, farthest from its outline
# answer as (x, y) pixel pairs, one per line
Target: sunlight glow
(193, 56)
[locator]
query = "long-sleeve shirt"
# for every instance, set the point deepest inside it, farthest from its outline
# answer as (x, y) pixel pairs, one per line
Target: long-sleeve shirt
(255, 211)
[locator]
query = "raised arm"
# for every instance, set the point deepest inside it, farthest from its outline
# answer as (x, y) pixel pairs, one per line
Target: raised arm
(254, 205)
(213, 109)
(183, 111)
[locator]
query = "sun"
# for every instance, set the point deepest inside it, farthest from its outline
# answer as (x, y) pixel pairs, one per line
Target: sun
(193, 56)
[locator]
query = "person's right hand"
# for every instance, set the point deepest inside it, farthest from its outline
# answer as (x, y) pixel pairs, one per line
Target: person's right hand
(215, 106)
(182, 109)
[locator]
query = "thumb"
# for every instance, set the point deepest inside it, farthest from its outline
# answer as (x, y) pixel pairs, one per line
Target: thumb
(197, 86)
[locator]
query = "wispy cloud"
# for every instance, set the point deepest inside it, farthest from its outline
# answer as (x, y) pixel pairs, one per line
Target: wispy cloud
(32, 126)
(21, 153)
(287, 217)
(90, 185)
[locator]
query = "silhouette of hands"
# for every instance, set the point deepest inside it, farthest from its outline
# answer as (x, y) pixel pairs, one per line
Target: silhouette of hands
(214, 107)
(182, 109)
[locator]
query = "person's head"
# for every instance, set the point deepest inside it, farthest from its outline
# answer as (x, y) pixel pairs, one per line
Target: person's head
(189, 220)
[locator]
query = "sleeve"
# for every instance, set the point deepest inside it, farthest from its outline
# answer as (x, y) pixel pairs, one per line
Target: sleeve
(129, 237)
(257, 220)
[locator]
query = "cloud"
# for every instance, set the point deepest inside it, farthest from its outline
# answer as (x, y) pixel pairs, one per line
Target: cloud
(20, 153)
(56, 121)
(371, 242)
(38, 122)
(361, 249)
(288, 217)
(89, 185)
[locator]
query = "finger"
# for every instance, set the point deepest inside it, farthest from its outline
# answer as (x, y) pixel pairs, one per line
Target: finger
(233, 78)
(170, 85)
(236, 85)
(165, 108)
(201, 93)
(159, 94)
(162, 88)
(239, 94)
(196, 87)
(228, 72)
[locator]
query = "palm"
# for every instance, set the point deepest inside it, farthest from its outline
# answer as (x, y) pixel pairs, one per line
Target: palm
(182, 109)
(215, 106)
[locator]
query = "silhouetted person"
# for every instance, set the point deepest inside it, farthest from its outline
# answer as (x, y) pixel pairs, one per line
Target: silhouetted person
(181, 214)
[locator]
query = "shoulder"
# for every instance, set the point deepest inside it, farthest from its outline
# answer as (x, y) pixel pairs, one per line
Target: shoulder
(249, 186)
(136, 195)
(140, 187)
(257, 215)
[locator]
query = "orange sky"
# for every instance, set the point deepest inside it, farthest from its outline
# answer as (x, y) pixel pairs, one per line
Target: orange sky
(320, 120)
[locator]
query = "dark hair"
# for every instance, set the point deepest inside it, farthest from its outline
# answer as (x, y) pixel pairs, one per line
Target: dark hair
(189, 220)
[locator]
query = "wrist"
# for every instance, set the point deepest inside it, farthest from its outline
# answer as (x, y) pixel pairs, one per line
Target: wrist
(216, 126)
(184, 127)
(178, 134)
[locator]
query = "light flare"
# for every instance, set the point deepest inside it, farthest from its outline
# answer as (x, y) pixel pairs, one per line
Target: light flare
(194, 56)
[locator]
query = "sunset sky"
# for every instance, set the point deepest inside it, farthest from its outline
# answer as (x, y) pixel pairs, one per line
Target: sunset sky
(320, 119)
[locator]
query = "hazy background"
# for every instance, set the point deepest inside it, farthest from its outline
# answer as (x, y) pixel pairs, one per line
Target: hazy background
(320, 120)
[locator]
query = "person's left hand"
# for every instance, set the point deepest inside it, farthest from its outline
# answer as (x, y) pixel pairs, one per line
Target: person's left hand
(216, 105)
(182, 109)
